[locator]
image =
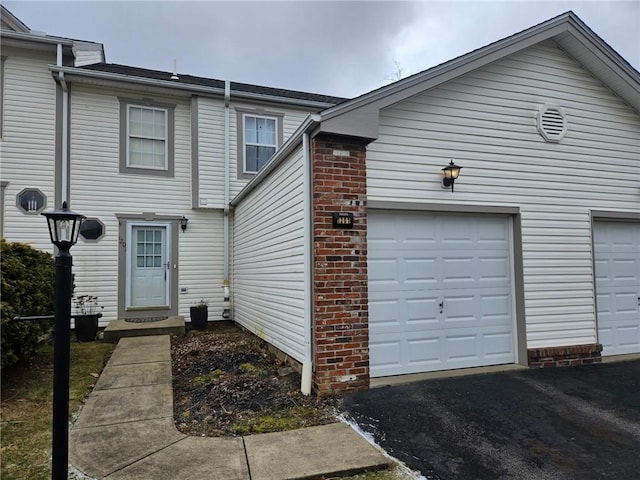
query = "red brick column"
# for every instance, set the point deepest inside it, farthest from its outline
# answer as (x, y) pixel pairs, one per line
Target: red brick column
(341, 312)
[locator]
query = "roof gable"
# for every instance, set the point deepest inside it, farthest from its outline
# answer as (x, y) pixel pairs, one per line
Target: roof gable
(359, 117)
(8, 21)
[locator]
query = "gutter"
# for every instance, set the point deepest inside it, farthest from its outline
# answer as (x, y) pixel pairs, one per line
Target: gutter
(185, 87)
(31, 37)
(64, 181)
(226, 313)
(307, 365)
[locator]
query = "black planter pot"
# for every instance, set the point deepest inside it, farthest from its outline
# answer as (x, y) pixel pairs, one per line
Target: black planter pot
(87, 327)
(199, 316)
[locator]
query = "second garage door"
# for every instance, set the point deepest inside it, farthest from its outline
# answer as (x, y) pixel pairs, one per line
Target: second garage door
(617, 261)
(439, 292)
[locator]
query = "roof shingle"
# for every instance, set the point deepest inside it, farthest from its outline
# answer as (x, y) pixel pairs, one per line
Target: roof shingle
(211, 82)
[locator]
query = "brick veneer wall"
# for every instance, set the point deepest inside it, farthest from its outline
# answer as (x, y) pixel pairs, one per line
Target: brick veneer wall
(565, 356)
(340, 296)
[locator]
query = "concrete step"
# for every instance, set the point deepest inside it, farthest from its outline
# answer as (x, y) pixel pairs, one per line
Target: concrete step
(118, 329)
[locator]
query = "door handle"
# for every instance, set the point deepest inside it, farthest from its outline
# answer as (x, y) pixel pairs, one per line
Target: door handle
(441, 305)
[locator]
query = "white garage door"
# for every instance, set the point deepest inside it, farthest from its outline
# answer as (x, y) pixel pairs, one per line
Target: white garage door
(617, 260)
(439, 292)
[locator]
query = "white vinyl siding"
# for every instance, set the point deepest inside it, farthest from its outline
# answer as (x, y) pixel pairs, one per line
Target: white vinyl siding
(211, 152)
(95, 155)
(485, 121)
(27, 148)
(268, 259)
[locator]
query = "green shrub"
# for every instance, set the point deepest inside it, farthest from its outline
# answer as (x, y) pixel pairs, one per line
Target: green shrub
(28, 288)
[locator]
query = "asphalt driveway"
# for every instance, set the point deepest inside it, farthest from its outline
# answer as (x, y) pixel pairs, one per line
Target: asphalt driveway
(564, 423)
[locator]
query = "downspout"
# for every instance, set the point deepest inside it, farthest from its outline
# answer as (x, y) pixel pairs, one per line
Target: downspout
(64, 180)
(226, 313)
(307, 364)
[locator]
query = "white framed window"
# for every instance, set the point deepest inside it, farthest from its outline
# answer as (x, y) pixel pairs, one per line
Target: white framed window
(259, 141)
(146, 137)
(259, 136)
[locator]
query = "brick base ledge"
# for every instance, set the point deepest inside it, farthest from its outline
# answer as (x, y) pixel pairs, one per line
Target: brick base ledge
(565, 356)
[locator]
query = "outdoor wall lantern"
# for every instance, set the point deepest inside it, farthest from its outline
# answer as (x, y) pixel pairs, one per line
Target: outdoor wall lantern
(64, 227)
(183, 223)
(451, 173)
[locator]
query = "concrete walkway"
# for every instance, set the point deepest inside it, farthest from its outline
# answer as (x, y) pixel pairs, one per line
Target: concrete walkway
(126, 430)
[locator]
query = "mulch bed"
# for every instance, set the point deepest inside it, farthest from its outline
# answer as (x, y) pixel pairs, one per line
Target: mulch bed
(226, 382)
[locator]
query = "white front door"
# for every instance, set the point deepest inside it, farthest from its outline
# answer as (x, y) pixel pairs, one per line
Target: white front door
(617, 261)
(439, 292)
(149, 266)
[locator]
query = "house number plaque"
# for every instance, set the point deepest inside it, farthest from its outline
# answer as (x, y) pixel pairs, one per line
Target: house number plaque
(342, 220)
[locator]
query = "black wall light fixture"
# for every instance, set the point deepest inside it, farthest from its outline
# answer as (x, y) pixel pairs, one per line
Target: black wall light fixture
(451, 173)
(183, 223)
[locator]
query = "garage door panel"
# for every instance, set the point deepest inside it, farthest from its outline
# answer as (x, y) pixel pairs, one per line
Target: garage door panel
(384, 270)
(423, 351)
(457, 269)
(498, 346)
(384, 313)
(419, 269)
(494, 268)
(462, 262)
(388, 354)
(421, 311)
(617, 272)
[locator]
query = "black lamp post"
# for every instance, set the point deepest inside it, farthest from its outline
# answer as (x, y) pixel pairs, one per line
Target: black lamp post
(64, 227)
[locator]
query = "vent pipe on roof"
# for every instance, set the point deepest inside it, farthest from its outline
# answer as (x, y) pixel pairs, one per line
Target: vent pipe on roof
(175, 70)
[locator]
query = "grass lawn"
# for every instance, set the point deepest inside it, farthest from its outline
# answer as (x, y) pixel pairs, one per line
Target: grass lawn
(27, 396)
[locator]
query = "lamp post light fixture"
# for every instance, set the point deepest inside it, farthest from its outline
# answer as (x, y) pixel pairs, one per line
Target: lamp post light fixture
(64, 227)
(451, 173)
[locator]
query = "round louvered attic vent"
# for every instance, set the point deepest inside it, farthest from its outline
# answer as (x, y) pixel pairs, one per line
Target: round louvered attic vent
(552, 123)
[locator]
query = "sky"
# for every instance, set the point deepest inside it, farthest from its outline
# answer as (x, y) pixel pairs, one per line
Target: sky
(336, 48)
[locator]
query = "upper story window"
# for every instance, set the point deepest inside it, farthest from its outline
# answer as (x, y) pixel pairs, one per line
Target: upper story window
(146, 137)
(259, 142)
(259, 135)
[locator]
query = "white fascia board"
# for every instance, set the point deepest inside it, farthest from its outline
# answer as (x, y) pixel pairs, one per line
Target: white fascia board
(79, 73)
(308, 125)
